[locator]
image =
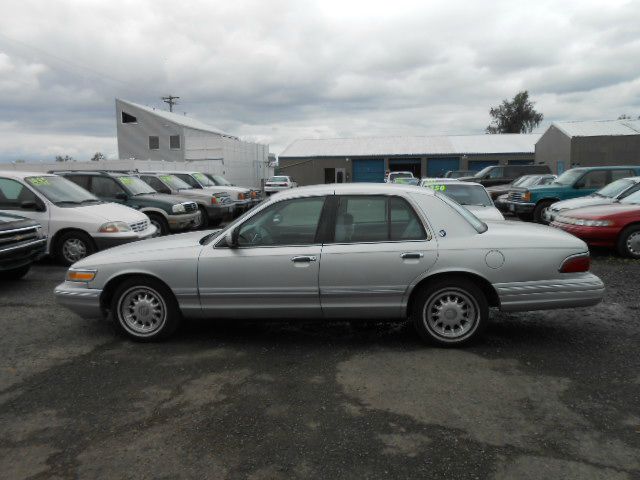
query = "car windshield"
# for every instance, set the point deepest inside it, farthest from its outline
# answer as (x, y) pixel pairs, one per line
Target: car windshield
(615, 188)
(174, 182)
(569, 177)
(203, 179)
(407, 181)
(219, 180)
(475, 222)
(60, 190)
(278, 179)
(395, 175)
(633, 198)
(135, 185)
(463, 194)
(484, 171)
(458, 174)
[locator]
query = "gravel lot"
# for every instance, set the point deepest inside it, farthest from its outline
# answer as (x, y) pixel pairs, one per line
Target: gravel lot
(544, 395)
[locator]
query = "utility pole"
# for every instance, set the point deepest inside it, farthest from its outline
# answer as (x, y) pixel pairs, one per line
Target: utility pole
(171, 100)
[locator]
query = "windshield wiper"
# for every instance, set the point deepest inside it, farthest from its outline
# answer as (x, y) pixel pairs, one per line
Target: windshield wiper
(72, 202)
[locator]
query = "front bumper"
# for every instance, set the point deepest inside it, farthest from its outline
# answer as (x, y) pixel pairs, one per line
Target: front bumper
(108, 240)
(183, 221)
(520, 207)
(79, 299)
(220, 211)
(595, 236)
(577, 290)
(16, 256)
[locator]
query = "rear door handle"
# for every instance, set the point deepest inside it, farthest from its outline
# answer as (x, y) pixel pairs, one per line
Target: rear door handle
(409, 255)
(303, 258)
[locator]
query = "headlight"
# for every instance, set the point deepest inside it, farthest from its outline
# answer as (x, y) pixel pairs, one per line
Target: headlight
(179, 208)
(584, 223)
(80, 275)
(114, 227)
(241, 196)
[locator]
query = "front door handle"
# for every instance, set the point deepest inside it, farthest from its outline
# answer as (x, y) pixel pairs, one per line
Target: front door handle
(303, 258)
(410, 255)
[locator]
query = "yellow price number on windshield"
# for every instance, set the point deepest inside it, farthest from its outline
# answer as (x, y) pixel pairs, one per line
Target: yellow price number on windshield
(38, 181)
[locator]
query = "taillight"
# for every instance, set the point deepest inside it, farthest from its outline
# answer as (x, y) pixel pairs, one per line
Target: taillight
(576, 263)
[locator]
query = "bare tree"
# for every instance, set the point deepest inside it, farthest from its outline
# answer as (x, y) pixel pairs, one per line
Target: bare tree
(66, 158)
(98, 156)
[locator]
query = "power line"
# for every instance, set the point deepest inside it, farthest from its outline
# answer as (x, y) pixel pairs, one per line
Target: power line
(171, 100)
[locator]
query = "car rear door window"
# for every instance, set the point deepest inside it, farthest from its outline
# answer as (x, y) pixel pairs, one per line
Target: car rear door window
(156, 184)
(618, 174)
(105, 187)
(364, 219)
(80, 180)
(290, 222)
(594, 179)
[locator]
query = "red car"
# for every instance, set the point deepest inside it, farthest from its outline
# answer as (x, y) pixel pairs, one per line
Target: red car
(616, 225)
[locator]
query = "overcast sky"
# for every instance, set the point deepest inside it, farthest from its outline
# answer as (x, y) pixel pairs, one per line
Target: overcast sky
(273, 71)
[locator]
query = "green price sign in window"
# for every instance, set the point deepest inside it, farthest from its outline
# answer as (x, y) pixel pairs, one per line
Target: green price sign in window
(38, 181)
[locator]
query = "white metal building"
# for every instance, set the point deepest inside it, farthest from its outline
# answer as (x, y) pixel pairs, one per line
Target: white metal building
(145, 133)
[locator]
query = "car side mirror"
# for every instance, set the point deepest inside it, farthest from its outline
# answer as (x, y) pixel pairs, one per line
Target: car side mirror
(121, 196)
(231, 238)
(29, 205)
(579, 185)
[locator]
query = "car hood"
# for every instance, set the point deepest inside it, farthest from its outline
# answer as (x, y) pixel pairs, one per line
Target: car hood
(581, 202)
(9, 222)
(110, 212)
(158, 197)
(499, 188)
(135, 250)
(606, 211)
(542, 189)
(468, 179)
(512, 234)
(486, 214)
(195, 192)
(230, 188)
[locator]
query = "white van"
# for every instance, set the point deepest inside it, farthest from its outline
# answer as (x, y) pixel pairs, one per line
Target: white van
(76, 222)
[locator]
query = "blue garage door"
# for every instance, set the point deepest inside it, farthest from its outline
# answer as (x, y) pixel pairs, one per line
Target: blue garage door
(437, 167)
(477, 165)
(368, 170)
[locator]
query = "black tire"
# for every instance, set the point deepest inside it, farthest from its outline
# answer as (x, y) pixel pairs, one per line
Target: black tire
(16, 273)
(461, 295)
(142, 324)
(629, 242)
(541, 206)
(73, 246)
(160, 223)
(204, 218)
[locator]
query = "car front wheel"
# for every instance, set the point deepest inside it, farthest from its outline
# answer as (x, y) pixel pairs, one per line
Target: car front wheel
(158, 221)
(629, 242)
(450, 312)
(73, 246)
(538, 212)
(144, 309)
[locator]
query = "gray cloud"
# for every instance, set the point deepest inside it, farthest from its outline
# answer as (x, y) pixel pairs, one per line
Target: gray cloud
(279, 70)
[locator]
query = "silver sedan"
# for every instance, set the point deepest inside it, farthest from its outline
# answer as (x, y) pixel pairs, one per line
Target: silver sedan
(339, 251)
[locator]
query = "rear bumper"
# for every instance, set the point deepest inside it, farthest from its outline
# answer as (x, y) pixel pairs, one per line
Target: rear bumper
(580, 290)
(83, 301)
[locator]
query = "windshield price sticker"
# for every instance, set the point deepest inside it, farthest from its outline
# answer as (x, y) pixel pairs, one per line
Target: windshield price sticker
(166, 178)
(199, 176)
(126, 180)
(38, 181)
(438, 188)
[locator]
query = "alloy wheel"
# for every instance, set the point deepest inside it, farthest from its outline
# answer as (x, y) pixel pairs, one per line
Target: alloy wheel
(142, 311)
(451, 313)
(74, 249)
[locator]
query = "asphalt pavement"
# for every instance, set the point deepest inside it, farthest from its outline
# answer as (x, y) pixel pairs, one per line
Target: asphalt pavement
(543, 395)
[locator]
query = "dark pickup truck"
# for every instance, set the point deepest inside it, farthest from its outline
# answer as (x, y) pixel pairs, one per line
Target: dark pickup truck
(21, 243)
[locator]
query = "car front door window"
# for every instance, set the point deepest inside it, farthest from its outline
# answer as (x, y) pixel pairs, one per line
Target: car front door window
(290, 222)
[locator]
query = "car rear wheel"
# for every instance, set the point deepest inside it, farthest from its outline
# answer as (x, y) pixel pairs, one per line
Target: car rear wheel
(629, 242)
(144, 309)
(160, 223)
(73, 246)
(450, 312)
(538, 212)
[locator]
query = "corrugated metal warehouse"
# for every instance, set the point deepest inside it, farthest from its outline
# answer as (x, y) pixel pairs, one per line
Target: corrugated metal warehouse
(313, 161)
(146, 133)
(568, 144)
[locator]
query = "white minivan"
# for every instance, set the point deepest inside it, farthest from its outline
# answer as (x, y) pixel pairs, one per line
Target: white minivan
(76, 222)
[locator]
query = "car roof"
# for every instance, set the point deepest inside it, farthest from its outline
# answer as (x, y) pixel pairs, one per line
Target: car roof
(440, 180)
(616, 167)
(353, 189)
(21, 175)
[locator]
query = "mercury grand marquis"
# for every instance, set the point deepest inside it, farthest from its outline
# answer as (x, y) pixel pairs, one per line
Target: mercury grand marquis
(339, 252)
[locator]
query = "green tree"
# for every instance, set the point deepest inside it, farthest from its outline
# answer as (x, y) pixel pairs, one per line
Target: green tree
(516, 116)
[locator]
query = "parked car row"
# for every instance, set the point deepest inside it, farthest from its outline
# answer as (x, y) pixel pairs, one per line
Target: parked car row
(81, 212)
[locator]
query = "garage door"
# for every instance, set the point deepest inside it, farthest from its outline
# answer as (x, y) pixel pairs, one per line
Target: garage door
(477, 165)
(406, 165)
(368, 170)
(437, 167)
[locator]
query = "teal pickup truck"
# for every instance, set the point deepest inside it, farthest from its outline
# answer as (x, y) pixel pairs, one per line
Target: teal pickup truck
(530, 203)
